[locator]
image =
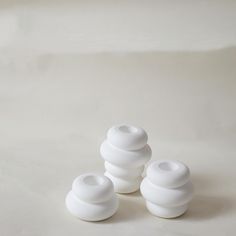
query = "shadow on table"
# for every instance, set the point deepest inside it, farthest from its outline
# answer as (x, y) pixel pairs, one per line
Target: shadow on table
(203, 206)
(130, 209)
(207, 207)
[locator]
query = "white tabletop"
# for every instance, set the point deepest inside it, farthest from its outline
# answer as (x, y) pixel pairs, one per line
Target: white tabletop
(55, 109)
(55, 116)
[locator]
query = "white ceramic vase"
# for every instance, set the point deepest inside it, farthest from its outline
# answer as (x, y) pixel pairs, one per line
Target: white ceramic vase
(92, 198)
(167, 188)
(125, 152)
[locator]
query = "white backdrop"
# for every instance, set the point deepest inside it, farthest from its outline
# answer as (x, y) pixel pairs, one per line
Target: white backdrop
(59, 93)
(57, 26)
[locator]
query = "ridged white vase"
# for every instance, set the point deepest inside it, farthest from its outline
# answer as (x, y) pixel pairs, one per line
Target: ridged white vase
(167, 188)
(125, 152)
(92, 198)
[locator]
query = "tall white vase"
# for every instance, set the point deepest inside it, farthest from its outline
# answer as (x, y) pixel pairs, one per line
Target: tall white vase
(125, 152)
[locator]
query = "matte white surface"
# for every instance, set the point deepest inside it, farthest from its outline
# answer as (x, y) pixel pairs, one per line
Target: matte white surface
(60, 26)
(55, 106)
(127, 137)
(124, 158)
(167, 196)
(168, 173)
(92, 188)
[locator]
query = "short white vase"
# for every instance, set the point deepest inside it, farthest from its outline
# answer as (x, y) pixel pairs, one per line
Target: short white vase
(167, 188)
(92, 198)
(125, 152)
